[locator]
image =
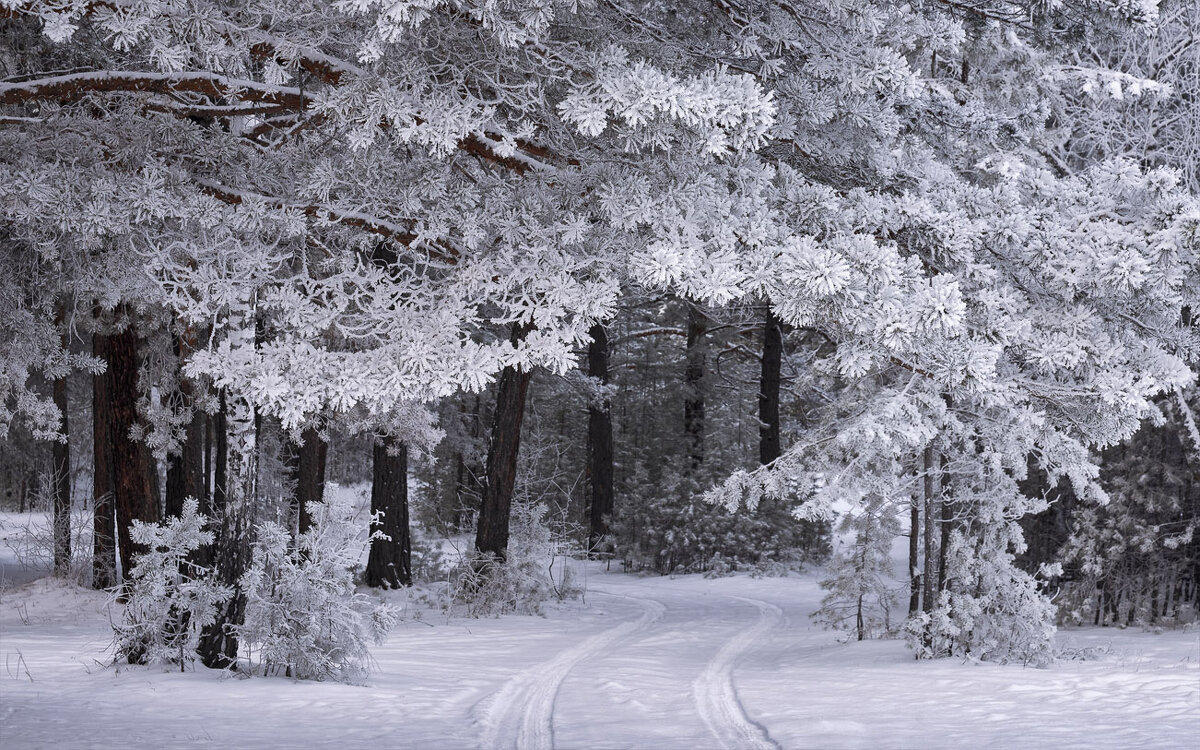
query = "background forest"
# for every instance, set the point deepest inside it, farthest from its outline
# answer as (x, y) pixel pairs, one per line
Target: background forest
(702, 286)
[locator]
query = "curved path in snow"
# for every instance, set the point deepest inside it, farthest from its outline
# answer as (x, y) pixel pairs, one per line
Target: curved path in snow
(714, 692)
(674, 664)
(521, 714)
(649, 667)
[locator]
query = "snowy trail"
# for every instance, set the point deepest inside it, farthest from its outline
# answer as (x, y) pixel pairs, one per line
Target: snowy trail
(521, 714)
(714, 691)
(682, 663)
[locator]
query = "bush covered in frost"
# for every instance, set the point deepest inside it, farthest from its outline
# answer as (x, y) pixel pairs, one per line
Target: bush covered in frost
(991, 610)
(534, 571)
(304, 618)
(861, 590)
(170, 598)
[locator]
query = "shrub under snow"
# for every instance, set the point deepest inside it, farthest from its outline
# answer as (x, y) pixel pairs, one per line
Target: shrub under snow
(170, 598)
(304, 618)
(525, 579)
(992, 610)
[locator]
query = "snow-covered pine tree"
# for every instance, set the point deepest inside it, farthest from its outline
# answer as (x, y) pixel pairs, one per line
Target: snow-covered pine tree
(861, 589)
(303, 618)
(170, 598)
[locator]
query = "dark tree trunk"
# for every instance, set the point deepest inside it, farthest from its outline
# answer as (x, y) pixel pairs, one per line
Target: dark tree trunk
(929, 576)
(133, 482)
(310, 475)
(62, 469)
(186, 471)
(914, 573)
(232, 499)
(768, 396)
(389, 564)
(600, 441)
(947, 519)
(501, 472)
(693, 378)
(104, 549)
(218, 645)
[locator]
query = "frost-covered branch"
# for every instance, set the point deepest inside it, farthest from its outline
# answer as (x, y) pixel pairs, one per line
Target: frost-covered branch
(75, 85)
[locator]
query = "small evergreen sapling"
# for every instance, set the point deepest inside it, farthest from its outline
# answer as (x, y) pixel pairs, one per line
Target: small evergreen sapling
(991, 610)
(171, 598)
(860, 585)
(303, 616)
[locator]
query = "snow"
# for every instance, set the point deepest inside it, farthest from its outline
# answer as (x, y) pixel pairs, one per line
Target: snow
(25, 554)
(683, 662)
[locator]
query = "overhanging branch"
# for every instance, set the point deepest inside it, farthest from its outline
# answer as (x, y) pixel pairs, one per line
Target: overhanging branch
(75, 85)
(356, 219)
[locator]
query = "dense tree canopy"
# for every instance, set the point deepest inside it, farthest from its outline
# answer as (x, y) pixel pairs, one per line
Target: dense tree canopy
(347, 209)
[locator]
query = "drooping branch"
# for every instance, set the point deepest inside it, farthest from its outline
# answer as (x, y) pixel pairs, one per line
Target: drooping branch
(72, 86)
(448, 254)
(646, 332)
(242, 109)
(358, 220)
(323, 67)
(250, 97)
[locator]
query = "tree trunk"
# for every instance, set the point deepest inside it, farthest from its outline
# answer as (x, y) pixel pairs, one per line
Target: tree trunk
(947, 519)
(104, 550)
(218, 645)
(501, 473)
(61, 456)
(914, 573)
(186, 471)
(237, 441)
(600, 441)
(389, 564)
(928, 578)
(693, 378)
(132, 481)
(310, 475)
(768, 396)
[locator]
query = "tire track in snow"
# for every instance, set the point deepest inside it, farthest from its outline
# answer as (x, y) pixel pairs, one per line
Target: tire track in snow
(714, 693)
(521, 714)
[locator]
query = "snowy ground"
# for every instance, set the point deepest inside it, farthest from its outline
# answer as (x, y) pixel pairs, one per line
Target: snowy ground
(641, 663)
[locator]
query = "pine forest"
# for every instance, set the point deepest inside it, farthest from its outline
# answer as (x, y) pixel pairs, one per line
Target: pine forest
(599, 374)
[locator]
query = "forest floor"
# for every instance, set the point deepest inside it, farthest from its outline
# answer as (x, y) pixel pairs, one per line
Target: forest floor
(638, 662)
